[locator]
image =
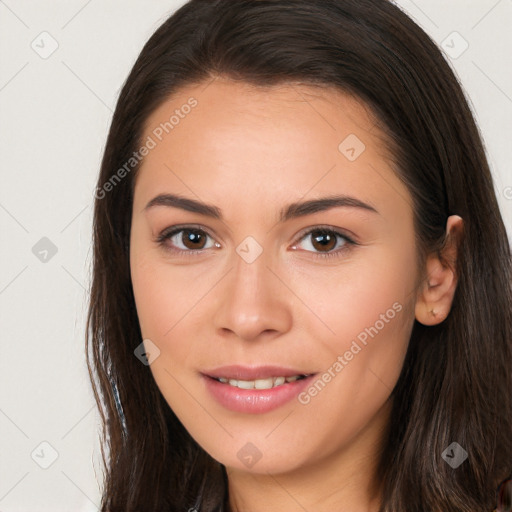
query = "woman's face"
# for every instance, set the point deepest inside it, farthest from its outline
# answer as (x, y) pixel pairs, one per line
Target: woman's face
(267, 283)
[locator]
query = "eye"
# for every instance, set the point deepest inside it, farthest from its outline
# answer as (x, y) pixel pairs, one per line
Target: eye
(191, 240)
(326, 241)
(184, 239)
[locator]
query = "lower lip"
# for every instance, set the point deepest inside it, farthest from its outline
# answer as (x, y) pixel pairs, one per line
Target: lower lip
(254, 401)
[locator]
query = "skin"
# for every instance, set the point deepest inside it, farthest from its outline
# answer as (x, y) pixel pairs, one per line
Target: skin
(250, 151)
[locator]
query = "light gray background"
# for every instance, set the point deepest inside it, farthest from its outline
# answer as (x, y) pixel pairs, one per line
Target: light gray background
(54, 117)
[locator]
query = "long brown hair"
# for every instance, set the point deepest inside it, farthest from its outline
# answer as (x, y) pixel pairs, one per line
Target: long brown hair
(456, 381)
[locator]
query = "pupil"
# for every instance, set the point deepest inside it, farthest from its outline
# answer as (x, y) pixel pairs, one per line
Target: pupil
(324, 239)
(192, 237)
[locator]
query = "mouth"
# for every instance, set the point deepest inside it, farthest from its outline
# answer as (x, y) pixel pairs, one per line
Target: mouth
(255, 389)
(268, 383)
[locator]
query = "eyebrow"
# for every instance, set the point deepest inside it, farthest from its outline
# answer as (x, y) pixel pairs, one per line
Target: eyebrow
(291, 211)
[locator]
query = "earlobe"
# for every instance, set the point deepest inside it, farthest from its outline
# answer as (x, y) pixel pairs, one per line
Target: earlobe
(436, 292)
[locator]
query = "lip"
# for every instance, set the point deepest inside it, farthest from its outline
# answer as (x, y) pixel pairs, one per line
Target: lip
(254, 401)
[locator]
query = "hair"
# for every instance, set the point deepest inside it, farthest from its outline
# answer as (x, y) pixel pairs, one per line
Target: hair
(456, 379)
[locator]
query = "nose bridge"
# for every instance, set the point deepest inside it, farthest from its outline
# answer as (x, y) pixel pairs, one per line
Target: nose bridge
(251, 279)
(252, 302)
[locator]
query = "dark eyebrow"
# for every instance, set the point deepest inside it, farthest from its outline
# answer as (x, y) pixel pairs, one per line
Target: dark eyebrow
(293, 210)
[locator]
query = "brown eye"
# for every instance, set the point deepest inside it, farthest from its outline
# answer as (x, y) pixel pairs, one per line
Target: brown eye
(193, 238)
(185, 240)
(323, 240)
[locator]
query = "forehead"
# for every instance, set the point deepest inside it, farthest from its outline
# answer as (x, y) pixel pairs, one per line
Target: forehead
(250, 110)
(251, 139)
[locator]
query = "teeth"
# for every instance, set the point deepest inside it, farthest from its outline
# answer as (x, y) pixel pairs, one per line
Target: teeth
(242, 384)
(264, 383)
(269, 383)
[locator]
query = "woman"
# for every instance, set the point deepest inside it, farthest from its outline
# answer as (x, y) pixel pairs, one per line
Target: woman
(301, 294)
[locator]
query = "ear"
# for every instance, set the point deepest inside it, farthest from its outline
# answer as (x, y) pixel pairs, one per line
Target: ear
(436, 292)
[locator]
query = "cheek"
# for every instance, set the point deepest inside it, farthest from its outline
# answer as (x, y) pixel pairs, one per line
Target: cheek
(170, 301)
(163, 297)
(371, 314)
(163, 293)
(174, 309)
(151, 301)
(366, 297)
(368, 307)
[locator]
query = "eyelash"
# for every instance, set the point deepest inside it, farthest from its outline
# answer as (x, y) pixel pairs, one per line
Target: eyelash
(168, 233)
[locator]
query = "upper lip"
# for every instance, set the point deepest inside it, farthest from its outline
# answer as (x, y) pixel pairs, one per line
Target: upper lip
(239, 372)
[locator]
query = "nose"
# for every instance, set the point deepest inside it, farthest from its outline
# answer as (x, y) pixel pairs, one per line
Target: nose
(253, 302)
